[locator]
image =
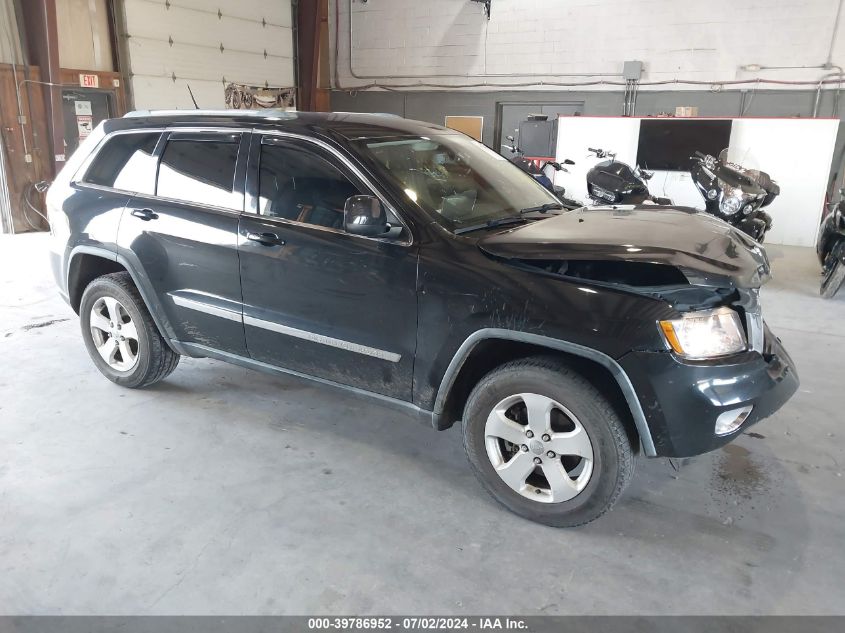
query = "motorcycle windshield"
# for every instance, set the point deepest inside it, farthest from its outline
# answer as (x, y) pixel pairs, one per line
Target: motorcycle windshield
(622, 171)
(735, 174)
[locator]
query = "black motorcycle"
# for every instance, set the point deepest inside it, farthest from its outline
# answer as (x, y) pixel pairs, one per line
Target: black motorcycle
(537, 169)
(831, 248)
(614, 182)
(735, 194)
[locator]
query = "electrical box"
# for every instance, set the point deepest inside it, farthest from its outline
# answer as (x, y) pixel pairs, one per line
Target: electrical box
(632, 70)
(538, 137)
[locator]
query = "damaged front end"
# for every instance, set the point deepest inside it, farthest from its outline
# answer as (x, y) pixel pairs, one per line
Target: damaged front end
(690, 260)
(720, 370)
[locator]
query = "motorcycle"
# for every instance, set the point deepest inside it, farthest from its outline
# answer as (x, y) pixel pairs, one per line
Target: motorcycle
(537, 169)
(831, 248)
(735, 194)
(612, 181)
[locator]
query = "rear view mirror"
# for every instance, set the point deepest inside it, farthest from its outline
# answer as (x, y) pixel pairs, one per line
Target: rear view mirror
(568, 161)
(365, 215)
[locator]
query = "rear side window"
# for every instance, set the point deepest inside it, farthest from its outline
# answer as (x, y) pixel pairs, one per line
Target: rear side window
(125, 162)
(200, 171)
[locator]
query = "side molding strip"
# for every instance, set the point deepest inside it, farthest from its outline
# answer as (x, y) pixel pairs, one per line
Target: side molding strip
(552, 343)
(207, 308)
(322, 339)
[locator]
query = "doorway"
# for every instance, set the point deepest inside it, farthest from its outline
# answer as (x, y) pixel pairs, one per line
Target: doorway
(83, 109)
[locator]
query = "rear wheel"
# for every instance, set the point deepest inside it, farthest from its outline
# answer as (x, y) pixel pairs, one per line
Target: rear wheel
(832, 280)
(546, 444)
(120, 335)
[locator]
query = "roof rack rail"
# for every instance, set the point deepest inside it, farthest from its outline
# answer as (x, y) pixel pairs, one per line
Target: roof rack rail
(266, 112)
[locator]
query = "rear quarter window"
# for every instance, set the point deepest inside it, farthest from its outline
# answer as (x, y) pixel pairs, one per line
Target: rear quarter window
(125, 162)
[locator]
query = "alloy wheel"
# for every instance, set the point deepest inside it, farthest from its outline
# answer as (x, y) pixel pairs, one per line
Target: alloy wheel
(538, 448)
(114, 333)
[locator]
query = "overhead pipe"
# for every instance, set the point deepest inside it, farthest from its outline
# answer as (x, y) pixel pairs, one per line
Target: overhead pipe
(824, 79)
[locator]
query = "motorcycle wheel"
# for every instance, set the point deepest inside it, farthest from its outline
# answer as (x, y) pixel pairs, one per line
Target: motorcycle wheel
(832, 280)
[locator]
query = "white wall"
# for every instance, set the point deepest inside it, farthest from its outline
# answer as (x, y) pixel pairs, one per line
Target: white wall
(257, 43)
(796, 153)
(412, 40)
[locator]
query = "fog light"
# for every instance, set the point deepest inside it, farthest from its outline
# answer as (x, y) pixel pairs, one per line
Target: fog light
(730, 421)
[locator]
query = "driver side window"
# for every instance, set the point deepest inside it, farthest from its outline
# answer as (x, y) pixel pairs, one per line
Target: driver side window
(300, 185)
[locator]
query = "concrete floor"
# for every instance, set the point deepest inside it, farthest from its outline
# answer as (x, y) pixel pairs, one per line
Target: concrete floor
(224, 491)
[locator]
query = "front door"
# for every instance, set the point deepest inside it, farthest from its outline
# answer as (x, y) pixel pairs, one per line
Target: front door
(318, 300)
(185, 237)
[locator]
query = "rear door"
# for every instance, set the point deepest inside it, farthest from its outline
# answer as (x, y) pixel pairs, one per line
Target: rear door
(318, 300)
(184, 238)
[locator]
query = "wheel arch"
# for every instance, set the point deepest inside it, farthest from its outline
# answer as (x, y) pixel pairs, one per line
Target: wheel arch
(488, 348)
(86, 263)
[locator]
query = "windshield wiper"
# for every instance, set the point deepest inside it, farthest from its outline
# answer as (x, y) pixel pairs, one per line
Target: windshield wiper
(510, 219)
(549, 206)
(490, 224)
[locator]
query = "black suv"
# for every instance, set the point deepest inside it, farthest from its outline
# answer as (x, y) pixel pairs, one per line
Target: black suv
(407, 262)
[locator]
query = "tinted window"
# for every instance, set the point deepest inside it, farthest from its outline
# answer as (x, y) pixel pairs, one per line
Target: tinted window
(199, 171)
(297, 184)
(125, 162)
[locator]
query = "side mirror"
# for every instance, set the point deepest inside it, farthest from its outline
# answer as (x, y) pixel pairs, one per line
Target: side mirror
(568, 161)
(510, 137)
(364, 215)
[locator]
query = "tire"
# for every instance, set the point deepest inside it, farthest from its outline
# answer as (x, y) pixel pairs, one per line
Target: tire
(576, 403)
(112, 307)
(832, 280)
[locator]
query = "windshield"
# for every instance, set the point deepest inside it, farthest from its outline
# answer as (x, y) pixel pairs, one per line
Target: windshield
(734, 173)
(457, 180)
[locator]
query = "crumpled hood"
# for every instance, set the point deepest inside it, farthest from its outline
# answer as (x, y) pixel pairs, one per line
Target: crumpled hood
(706, 249)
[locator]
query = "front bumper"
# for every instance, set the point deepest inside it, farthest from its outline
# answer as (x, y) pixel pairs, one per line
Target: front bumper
(682, 399)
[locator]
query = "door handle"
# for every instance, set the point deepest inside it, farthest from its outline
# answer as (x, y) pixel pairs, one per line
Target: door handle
(265, 239)
(145, 214)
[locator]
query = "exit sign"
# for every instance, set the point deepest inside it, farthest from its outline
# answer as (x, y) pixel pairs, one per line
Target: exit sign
(89, 81)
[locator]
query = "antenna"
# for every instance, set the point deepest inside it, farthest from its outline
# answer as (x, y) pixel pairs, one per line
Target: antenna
(191, 92)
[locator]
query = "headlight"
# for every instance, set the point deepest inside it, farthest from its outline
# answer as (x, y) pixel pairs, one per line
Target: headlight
(730, 205)
(706, 334)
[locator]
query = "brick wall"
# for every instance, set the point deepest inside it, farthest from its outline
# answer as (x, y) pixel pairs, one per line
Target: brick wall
(542, 41)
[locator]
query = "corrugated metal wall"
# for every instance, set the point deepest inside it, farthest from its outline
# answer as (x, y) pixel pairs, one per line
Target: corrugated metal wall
(172, 43)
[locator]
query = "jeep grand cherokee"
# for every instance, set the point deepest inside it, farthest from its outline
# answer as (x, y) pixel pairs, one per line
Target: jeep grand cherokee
(407, 262)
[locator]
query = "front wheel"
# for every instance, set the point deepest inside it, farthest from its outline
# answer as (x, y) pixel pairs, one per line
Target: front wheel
(832, 280)
(546, 444)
